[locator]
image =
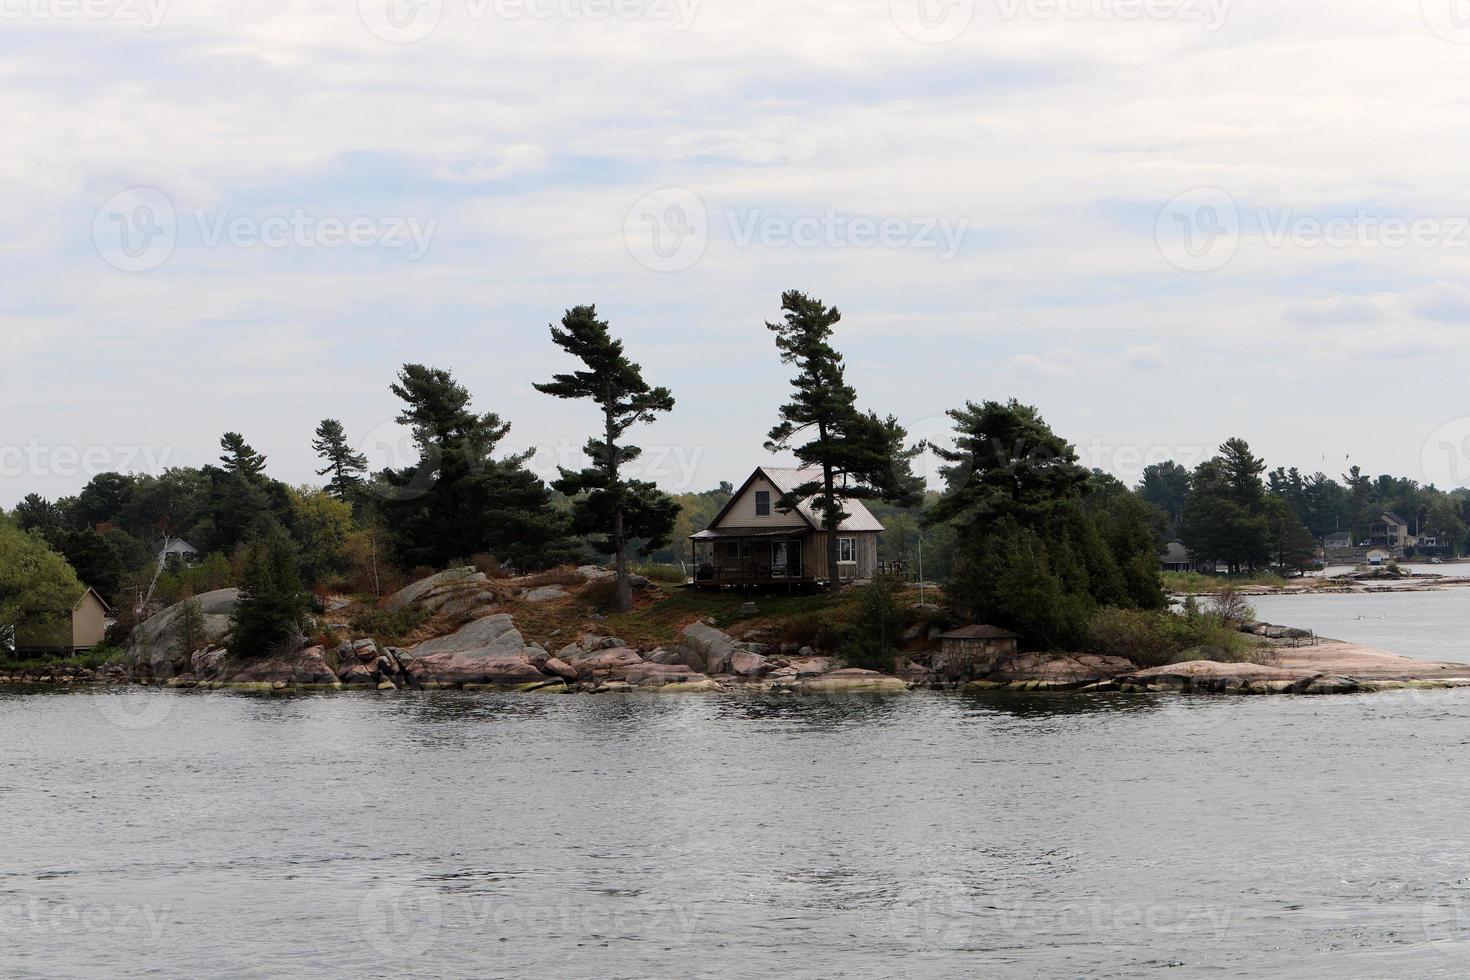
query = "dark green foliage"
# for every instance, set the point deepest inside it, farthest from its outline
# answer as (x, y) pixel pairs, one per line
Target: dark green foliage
(876, 632)
(239, 457)
(272, 610)
(458, 499)
(190, 627)
(95, 559)
(36, 513)
(345, 466)
(1041, 543)
(606, 504)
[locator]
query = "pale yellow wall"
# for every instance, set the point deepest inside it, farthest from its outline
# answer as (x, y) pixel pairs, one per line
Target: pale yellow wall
(742, 512)
(88, 622)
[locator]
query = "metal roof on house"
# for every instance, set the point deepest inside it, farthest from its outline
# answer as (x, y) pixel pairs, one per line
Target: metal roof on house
(1392, 518)
(980, 633)
(785, 479)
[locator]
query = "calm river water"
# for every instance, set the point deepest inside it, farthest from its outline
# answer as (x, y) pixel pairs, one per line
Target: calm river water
(437, 835)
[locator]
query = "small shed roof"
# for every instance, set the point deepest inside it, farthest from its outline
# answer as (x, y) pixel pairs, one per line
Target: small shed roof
(980, 633)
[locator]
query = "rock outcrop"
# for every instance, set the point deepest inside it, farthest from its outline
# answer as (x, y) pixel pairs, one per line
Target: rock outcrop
(155, 642)
(486, 652)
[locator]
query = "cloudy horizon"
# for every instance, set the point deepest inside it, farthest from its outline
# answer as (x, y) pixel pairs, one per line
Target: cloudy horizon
(1163, 222)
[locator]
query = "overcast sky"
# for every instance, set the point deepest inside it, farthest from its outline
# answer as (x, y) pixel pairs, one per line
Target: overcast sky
(1165, 222)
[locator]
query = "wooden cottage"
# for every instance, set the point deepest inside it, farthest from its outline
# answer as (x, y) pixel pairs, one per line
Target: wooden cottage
(78, 632)
(752, 542)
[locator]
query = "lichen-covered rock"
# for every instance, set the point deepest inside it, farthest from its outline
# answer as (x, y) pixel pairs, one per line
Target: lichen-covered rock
(546, 593)
(602, 663)
(488, 652)
(714, 647)
(416, 591)
(306, 667)
(743, 663)
(850, 680)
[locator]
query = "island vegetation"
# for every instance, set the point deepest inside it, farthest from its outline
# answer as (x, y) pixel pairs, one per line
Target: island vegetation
(1019, 535)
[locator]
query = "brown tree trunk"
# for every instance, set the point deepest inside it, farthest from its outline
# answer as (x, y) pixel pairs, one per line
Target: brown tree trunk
(624, 601)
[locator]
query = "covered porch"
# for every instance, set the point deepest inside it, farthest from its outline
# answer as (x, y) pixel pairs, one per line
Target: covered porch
(738, 558)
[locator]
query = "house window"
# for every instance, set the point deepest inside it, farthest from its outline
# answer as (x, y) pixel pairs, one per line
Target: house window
(763, 503)
(737, 549)
(847, 549)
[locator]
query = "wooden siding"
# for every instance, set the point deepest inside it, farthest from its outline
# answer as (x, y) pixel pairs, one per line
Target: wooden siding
(866, 549)
(742, 511)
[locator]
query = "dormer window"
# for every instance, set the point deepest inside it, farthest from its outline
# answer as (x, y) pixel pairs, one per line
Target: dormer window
(763, 503)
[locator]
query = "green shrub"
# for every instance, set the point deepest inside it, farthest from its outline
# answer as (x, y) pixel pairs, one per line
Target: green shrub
(873, 639)
(668, 574)
(390, 627)
(601, 594)
(1144, 637)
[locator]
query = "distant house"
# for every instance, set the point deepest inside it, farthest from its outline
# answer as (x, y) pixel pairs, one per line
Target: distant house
(1389, 531)
(1177, 558)
(177, 549)
(81, 630)
(1338, 541)
(961, 649)
(1379, 557)
(753, 542)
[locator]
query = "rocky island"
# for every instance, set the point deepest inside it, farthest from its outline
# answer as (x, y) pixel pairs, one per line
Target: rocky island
(471, 638)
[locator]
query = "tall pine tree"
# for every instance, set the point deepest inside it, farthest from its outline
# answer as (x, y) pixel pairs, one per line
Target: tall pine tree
(861, 457)
(605, 502)
(345, 465)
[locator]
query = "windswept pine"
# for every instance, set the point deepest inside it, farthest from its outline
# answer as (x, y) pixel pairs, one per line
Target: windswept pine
(605, 503)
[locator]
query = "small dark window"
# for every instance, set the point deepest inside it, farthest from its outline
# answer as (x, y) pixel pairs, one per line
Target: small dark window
(763, 503)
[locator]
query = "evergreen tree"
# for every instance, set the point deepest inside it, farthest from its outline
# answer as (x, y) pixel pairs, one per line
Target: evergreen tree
(605, 502)
(861, 456)
(36, 513)
(458, 499)
(239, 457)
(190, 625)
(1041, 543)
(271, 612)
(345, 465)
(1165, 485)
